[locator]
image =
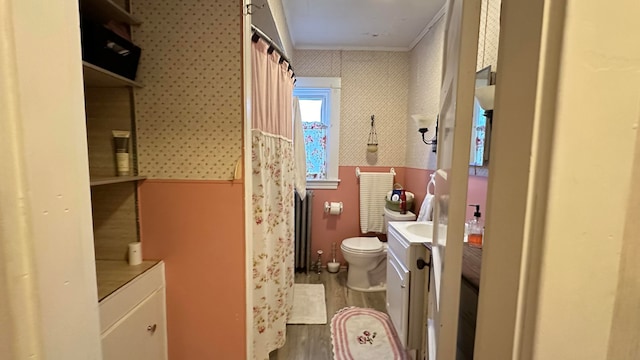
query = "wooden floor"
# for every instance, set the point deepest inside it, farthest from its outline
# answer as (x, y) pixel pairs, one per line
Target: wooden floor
(313, 342)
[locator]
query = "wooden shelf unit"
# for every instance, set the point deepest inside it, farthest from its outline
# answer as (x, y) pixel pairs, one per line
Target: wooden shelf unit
(109, 106)
(115, 180)
(95, 76)
(106, 10)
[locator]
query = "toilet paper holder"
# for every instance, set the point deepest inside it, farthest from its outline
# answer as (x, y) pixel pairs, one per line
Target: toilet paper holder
(333, 208)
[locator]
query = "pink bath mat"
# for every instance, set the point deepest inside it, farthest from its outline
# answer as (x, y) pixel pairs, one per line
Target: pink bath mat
(367, 334)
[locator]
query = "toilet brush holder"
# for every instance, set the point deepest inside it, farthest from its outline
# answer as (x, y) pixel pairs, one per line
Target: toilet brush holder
(333, 267)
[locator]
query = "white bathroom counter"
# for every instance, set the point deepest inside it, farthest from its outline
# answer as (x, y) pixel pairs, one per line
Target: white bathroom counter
(112, 274)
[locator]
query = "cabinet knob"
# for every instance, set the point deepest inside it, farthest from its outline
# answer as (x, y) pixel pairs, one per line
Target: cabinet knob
(421, 264)
(152, 328)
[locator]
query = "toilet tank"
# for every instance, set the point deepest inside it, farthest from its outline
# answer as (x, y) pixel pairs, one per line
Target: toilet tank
(390, 215)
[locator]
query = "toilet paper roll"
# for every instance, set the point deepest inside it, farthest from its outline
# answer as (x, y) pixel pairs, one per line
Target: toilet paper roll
(333, 208)
(135, 253)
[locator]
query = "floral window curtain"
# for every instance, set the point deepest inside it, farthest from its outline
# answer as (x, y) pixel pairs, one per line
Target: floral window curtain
(478, 136)
(315, 144)
(272, 198)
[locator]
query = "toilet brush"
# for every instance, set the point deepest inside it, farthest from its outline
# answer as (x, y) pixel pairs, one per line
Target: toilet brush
(333, 266)
(319, 262)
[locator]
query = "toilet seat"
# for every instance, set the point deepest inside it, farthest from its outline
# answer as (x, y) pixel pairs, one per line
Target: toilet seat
(363, 245)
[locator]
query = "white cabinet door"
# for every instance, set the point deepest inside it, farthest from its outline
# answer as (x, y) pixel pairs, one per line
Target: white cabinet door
(141, 334)
(454, 132)
(398, 296)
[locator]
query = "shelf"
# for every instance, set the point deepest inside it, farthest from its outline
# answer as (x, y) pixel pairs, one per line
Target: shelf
(106, 10)
(95, 76)
(115, 180)
(113, 274)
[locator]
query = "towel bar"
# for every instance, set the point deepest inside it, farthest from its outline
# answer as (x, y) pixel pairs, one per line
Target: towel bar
(392, 170)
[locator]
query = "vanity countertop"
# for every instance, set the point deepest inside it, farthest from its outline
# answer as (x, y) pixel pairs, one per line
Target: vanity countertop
(471, 264)
(416, 232)
(112, 274)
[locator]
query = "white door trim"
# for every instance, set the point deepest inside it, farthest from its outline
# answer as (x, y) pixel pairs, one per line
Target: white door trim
(247, 180)
(530, 44)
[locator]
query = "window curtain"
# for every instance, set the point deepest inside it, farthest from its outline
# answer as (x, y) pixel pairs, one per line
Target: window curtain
(273, 182)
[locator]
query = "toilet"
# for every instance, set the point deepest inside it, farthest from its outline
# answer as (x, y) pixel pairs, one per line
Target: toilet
(367, 257)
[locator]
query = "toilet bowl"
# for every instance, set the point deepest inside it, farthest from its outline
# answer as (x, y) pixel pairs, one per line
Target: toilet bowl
(367, 257)
(364, 255)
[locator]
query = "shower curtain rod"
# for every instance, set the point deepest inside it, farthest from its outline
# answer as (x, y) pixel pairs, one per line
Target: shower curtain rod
(272, 45)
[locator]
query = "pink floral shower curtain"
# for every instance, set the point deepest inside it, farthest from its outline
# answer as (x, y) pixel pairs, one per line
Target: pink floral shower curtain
(273, 177)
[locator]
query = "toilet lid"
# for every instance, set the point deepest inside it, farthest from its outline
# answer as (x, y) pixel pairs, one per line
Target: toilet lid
(363, 244)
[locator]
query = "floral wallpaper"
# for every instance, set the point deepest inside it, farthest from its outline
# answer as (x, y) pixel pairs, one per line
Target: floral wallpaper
(426, 73)
(373, 83)
(189, 112)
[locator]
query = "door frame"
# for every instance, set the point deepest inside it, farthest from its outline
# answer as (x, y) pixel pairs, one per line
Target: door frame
(247, 178)
(529, 55)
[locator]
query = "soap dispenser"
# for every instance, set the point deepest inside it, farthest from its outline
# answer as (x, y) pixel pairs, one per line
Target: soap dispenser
(474, 228)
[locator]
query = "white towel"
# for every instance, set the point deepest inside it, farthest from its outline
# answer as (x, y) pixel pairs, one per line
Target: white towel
(299, 152)
(373, 189)
(426, 210)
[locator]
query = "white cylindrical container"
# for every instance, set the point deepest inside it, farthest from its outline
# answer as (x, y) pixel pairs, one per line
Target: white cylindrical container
(135, 253)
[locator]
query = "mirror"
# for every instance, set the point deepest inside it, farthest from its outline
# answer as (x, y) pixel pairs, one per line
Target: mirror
(481, 130)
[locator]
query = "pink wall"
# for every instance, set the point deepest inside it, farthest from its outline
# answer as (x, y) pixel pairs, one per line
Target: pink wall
(197, 228)
(327, 229)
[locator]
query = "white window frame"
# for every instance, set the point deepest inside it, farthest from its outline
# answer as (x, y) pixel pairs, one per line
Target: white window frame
(334, 84)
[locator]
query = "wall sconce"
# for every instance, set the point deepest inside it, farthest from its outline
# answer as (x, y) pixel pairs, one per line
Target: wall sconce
(485, 96)
(424, 123)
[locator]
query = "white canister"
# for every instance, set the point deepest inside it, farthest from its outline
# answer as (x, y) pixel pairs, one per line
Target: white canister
(135, 253)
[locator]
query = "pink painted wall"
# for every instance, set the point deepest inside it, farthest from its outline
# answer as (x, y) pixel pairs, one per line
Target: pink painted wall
(197, 228)
(416, 181)
(477, 194)
(327, 229)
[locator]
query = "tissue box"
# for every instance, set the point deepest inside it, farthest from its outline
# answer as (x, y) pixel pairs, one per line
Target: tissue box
(104, 48)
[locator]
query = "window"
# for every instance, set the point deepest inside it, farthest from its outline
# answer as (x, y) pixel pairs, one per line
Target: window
(320, 111)
(478, 135)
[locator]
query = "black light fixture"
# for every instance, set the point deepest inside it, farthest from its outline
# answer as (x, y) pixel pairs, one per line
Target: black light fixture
(425, 123)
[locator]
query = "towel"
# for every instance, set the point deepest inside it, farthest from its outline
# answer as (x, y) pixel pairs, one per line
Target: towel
(426, 210)
(299, 152)
(373, 189)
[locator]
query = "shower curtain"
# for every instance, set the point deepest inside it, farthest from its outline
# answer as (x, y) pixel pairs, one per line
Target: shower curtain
(273, 179)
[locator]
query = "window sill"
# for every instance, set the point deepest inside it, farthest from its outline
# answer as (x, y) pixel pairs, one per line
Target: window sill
(327, 184)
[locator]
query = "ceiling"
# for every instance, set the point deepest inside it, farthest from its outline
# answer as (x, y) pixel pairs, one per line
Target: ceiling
(358, 24)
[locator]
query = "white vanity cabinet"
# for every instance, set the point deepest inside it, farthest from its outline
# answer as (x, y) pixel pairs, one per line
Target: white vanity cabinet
(406, 293)
(133, 319)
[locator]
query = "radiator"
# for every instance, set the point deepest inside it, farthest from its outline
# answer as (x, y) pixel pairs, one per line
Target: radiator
(302, 245)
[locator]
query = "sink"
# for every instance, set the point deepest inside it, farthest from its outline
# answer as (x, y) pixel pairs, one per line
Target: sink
(417, 232)
(424, 229)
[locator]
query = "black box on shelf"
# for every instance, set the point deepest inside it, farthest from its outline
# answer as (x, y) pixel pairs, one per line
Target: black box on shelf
(108, 50)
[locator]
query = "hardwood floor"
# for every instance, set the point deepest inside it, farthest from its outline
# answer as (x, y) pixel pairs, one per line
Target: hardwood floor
(313, 342)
